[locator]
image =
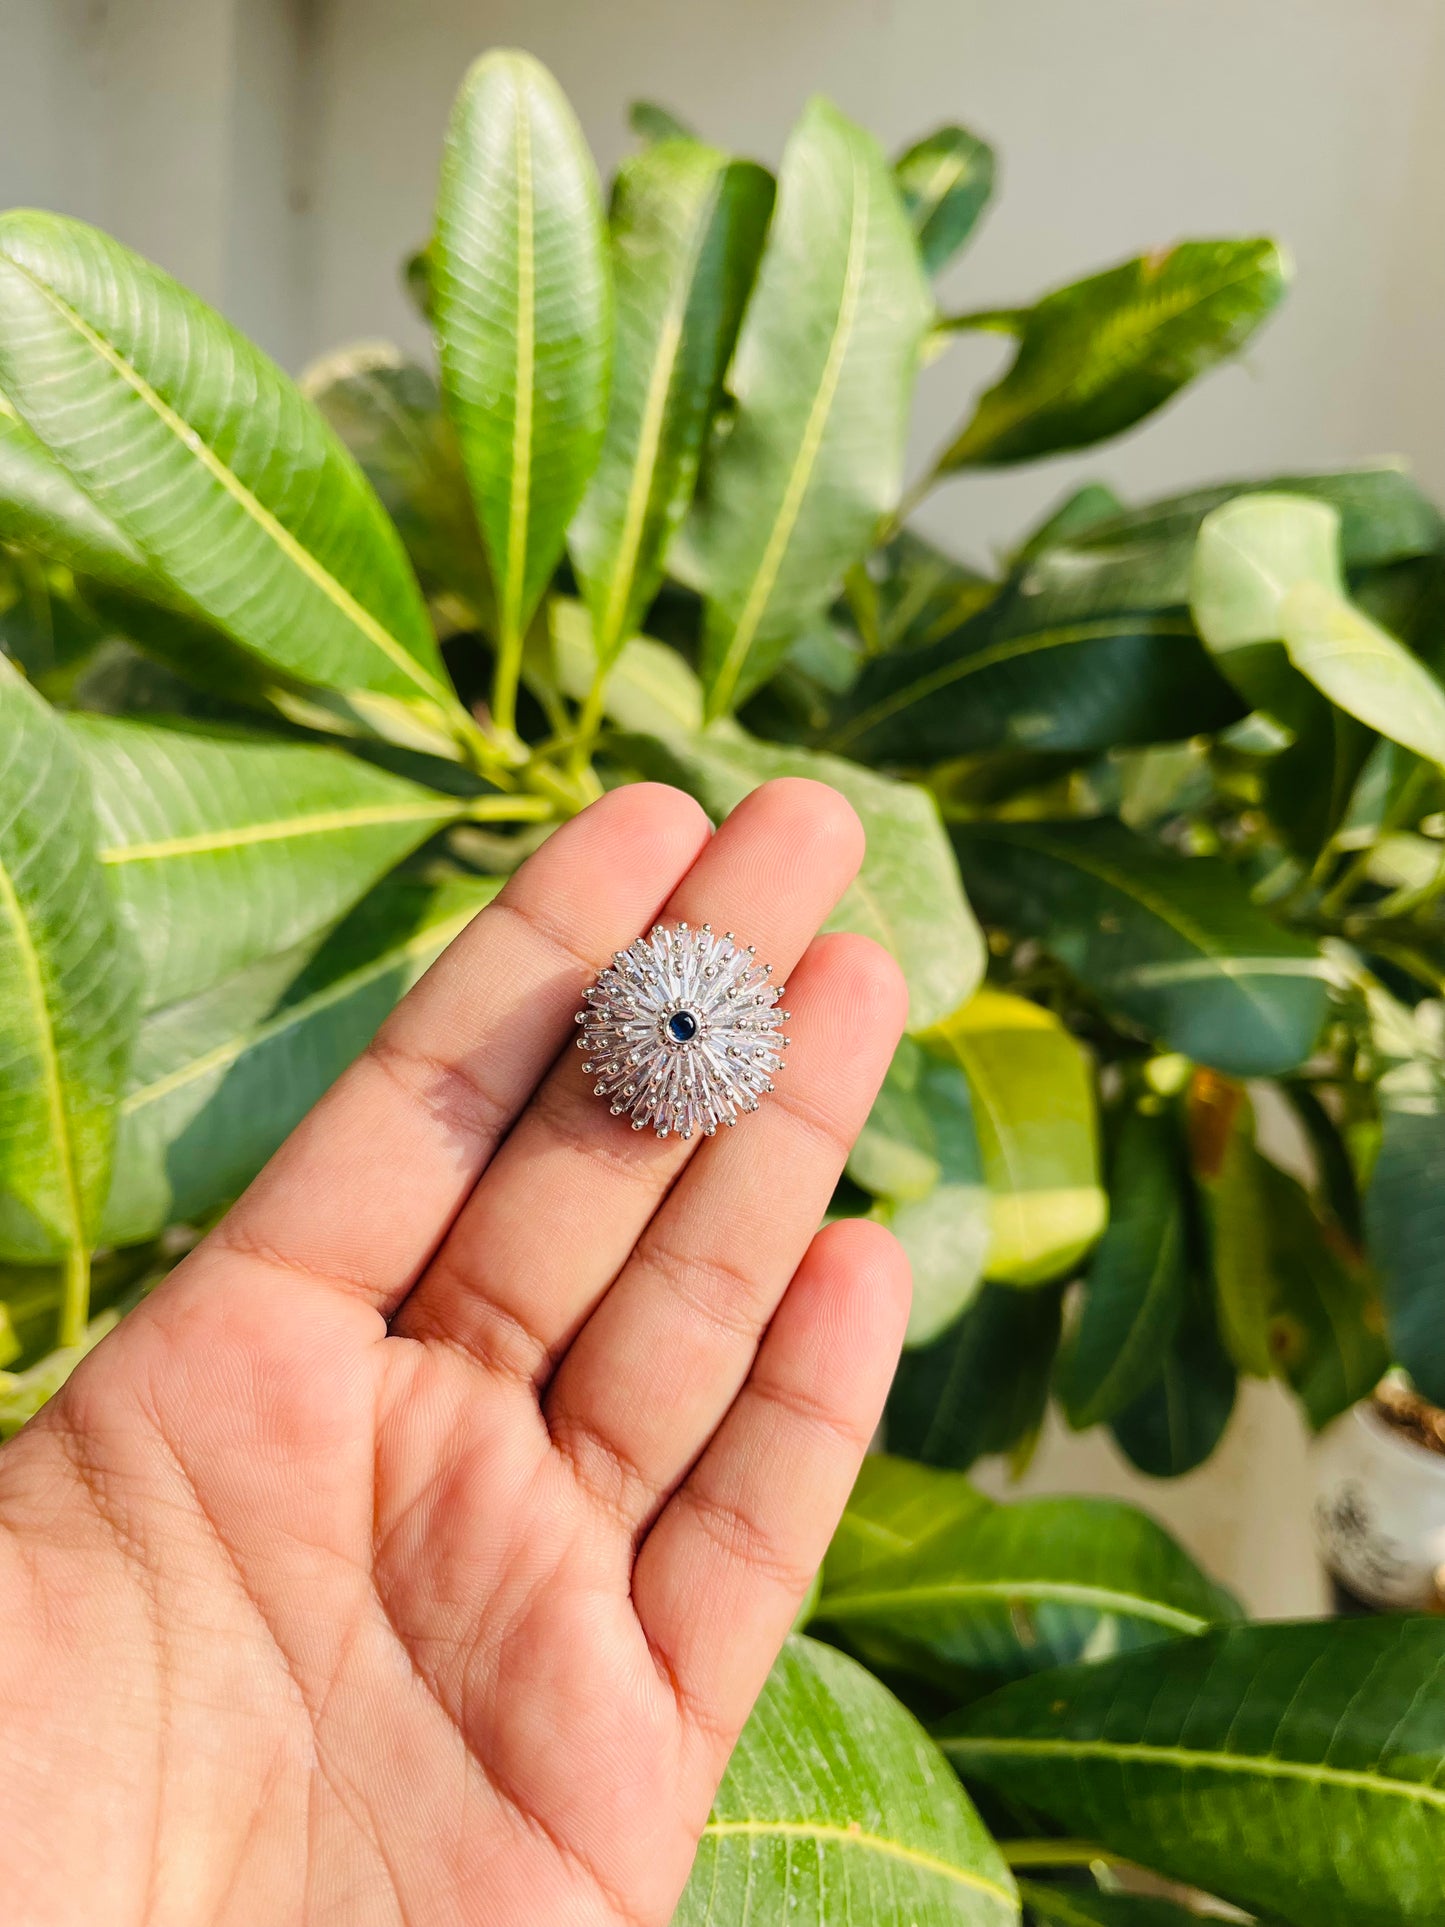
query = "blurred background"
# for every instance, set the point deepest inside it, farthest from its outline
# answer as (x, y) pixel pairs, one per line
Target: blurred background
(280, 156)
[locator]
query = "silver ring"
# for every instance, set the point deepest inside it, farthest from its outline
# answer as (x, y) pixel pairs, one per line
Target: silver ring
(683, 1030)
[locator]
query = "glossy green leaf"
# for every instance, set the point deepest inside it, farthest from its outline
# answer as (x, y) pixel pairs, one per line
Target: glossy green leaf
(896, 1153)
(983, 1386)
(223, 847)
(1096, 357)
(822, 378)
(945, 180)
(1294, 1770)
(388, 411)
(1267, 573)
(1093, 506)
(996, 1591)
(67, 997)
(1137, 1282)
(1176, 1421)
(836, 1806)
(906, 896)
(220, 1080)
(1077, 1906)
(1033, 1102)
(1173, 944)
(649, 688)
(946, 1233)
(922, 593)
(523, 314)
(687, 228)
(653, 122)
(214, 466)
(1405, 1220)
(41, 508)
(894, 1506)
(1033, 672)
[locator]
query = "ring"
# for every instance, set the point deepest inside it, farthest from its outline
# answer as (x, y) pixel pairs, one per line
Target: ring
(683, 1030)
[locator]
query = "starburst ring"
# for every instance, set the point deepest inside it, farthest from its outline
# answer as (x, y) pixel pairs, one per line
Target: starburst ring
(683, 1030)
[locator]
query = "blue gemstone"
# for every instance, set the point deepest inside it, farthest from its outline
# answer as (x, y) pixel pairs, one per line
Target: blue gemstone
(682, 1027)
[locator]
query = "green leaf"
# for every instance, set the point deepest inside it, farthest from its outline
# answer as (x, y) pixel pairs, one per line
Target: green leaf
(1177, 1420)
(44, 628)
(1268, 571)
(1076, 1906)
(220, 1080)
(1136, 1287)
(1173, 944)
(649, 688)
(1033, 1100)
(983, 1386)
(1093, 506)
(906, 896)
(1036, 672)
(687, 229)
(41, 508)
(67, 999)
(895, 1504)
(922, 593)
(993, 1592)
(896, 1153)
(823, 378)
(836, 1805)
(657, 123)
(523, 313)
(946, 180)
(1096, 357)
(388, 411)
(1293, 1770)
(1294, 1299)
(214, 466)
(223, 847)
(946, 1234)
(1405, 1220)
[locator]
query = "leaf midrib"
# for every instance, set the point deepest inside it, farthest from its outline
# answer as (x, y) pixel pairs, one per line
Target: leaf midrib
(523, 375)
(806, 459)
(857, 1837)
(1097, 629)
(322, 823)
(199, 449)
(1105, 1599)
(1266, 1765)
(222, 1056)
(1181, 924)
(1047, 395)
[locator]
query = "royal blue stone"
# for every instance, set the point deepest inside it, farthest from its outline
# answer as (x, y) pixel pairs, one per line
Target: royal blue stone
(682, 1027)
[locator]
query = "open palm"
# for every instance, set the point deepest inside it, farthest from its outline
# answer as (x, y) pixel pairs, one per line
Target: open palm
(416, 1552)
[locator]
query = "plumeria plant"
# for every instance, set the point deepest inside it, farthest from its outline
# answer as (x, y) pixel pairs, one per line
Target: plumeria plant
(1156, 830)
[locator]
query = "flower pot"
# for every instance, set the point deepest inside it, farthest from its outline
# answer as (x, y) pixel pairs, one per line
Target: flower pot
(1380, 1504)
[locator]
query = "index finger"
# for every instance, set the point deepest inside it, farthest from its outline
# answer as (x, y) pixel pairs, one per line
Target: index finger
(364, 1189)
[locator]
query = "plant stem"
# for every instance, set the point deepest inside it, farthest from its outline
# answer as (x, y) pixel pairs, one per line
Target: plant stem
(1056, 1853)
(504, 683)
(75, 1296)
(509, 809)
(589, 722)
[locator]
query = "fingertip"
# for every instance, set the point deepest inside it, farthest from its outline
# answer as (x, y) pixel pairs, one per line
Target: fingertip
(670, 826)
(813, 817)
(866, 983)
(862, 1264)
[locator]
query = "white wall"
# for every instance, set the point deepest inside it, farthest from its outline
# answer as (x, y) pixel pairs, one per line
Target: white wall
(281, 155)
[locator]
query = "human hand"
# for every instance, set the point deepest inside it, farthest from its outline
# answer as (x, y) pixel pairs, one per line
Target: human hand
(415, 1553)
